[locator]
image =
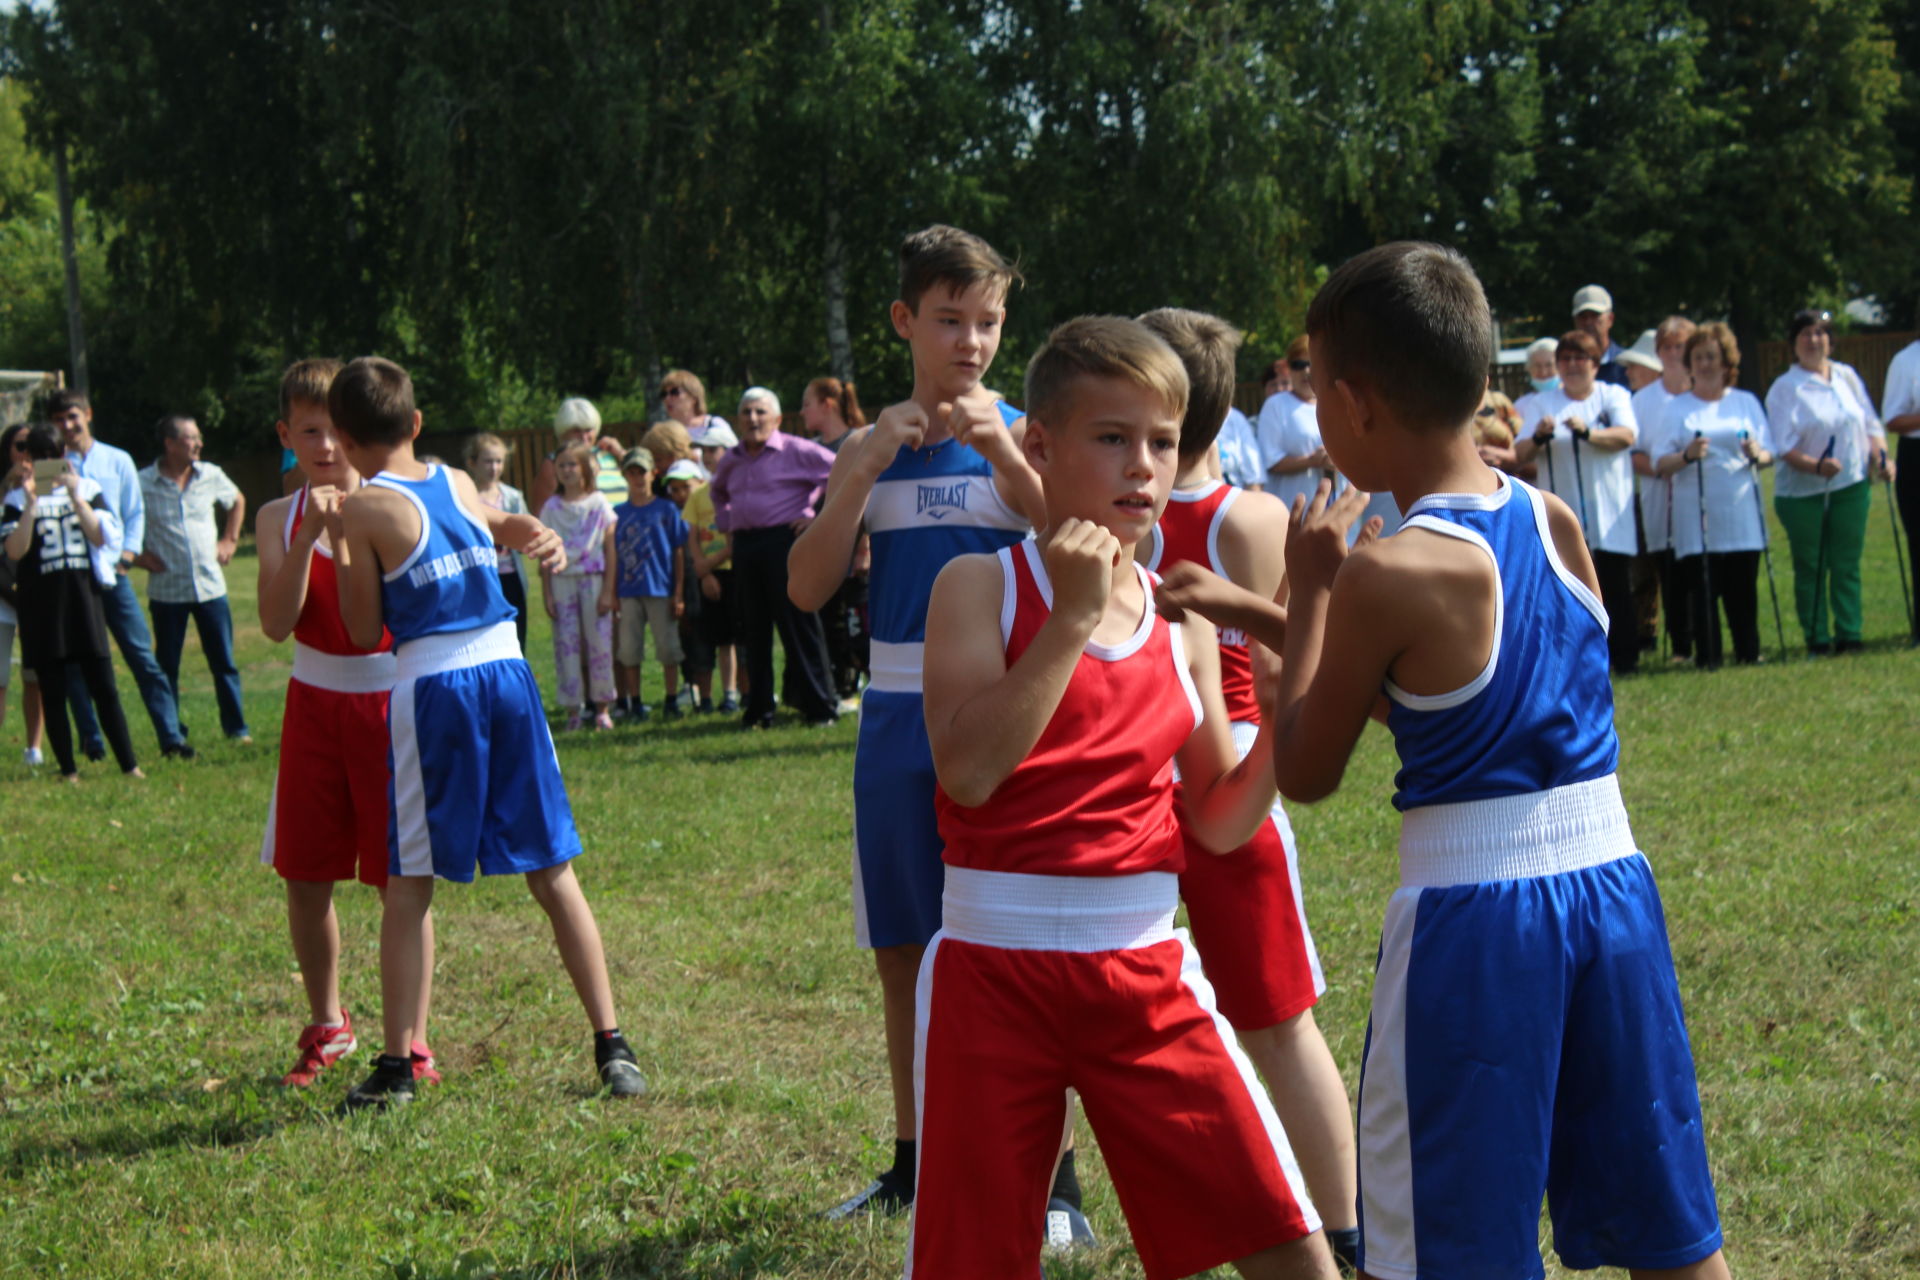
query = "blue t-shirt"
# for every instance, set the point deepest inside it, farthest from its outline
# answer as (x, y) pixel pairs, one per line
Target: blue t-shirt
(645, 540)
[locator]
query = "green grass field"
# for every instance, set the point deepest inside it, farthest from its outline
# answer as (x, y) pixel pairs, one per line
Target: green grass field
(149, 1001)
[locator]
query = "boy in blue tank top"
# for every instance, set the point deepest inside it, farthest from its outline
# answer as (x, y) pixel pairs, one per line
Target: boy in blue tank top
(936, 476)
(1527, 1036)
(475, 780)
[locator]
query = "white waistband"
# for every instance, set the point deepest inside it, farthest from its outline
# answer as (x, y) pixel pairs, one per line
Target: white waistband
(455, 650)
(344, 672)
(1541, 833)
(1022, 912)
(895, 668)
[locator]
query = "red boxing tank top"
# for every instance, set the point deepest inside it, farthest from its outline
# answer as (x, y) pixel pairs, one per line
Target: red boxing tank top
(321, 626)
(1095, 795)
(1189, 530)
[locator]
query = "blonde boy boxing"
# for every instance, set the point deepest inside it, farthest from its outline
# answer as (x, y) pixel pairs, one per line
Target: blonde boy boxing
(328, 818)
(1527, 1035)
(936, 476)
(475, 784)
(1057, 701)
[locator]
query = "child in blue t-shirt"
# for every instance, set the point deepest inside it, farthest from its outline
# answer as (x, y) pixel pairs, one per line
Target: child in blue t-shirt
(648, 535)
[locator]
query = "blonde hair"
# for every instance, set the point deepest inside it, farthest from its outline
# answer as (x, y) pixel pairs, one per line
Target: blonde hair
(1498, 429)
(305, 381)
(574, 414)
(696, 390)
(1103, 347)
(667, 440)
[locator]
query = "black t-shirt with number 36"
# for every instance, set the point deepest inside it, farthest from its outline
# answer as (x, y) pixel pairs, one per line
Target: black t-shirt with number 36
(57, 595)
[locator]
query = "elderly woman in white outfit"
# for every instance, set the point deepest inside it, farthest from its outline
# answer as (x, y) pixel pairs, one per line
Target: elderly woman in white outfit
(1831, 447)
(1580, 432)
(1710, 444)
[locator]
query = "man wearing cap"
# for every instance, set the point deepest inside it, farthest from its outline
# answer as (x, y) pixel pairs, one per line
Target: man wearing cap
(1593, 315)
(765, 491)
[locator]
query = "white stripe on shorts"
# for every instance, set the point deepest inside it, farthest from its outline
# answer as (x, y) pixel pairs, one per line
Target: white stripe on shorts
(1022, 912)
(1194, 979)
(922, 1012)
(413, 842)
(1385, 1150)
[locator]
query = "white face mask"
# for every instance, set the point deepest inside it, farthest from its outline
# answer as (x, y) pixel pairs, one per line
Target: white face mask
(1545, 384)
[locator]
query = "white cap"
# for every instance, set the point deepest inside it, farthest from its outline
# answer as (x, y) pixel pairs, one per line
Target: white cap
(1644, 352)
(1592, 298)
(715, 435)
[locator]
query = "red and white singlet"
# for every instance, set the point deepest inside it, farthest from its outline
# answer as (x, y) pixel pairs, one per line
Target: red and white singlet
(321, 627)
(1189, 530)
(1095, 795)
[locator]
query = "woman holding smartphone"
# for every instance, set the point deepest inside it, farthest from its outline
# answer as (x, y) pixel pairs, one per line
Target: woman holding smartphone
(52, 521)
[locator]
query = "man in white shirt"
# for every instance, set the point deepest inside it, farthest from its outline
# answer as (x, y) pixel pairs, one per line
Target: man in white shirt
(186, 550)
(119, 480)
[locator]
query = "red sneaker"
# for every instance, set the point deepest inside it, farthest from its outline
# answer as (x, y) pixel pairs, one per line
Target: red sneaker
(320, 1048)
(422, 1059)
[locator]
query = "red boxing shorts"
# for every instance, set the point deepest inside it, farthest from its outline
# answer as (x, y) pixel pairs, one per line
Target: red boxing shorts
(328, 819)
(1251, 928)
(1039, 984)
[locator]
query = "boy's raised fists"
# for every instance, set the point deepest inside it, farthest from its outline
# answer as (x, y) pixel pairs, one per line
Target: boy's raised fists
(904, 424)
(975, 422)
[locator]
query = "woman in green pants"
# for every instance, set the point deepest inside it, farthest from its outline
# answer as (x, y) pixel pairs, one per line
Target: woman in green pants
(1831, 446)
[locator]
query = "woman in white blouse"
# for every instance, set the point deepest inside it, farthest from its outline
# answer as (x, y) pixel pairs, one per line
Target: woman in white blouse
(1580, 432)
(1831, 446)
(1289, 434)
(1710, 445)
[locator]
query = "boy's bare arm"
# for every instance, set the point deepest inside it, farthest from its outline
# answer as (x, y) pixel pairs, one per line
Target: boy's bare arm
(284, 573)
(523, 533)
(984, 717)
(976, 422)
(821, 556)
(1226, 799)
(1188, 588)
(356, 528)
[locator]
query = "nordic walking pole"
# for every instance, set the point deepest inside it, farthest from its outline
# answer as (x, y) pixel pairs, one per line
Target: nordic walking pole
(1820, 557)
(1546, 443)
(1580, 483)
(1899, 554)
(1766, 552)
(1711, 616)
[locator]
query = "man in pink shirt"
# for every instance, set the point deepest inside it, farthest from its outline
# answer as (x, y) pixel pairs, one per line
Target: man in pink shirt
(765, 491)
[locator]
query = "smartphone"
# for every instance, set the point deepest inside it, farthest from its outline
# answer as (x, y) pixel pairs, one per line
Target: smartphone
(46, 471)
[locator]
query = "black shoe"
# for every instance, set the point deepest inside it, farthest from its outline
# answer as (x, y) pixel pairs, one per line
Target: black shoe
(95, 753)
(1067, 1227)
(1848, 646)
(822, 722)
(1816, 650)
(619, 1071)
(179, 751)
(388, 1086)
(670, 712)
(753, 720)
(877, 1197)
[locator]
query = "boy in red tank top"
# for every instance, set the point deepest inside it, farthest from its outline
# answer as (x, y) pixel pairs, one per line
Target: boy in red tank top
(1246, 911)
(328, 818)
(1057, 702)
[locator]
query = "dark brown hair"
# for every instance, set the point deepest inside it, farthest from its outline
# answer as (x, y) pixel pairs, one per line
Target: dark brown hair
(946, 255)
(1409, 321)
(1207, 346)
(371, 401)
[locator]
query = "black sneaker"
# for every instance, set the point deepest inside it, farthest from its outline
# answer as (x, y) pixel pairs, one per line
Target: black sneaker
(670, 712)
(388, 1086)
(179, 751)
(1067, 1227)
(877, 1197)
(619, 1071)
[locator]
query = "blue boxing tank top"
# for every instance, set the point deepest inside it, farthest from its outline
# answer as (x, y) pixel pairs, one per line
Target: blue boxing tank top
(451, 580)
(1540, 714)
(927, 507)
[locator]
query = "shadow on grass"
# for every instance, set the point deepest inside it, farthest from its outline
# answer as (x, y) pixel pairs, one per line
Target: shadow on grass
(193, 1120)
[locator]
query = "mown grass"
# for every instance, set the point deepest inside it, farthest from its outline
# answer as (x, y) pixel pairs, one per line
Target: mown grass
(148, 999)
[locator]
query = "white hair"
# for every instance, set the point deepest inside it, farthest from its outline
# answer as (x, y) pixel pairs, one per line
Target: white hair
(575, 413)
(760, 393)
(1548, 345)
